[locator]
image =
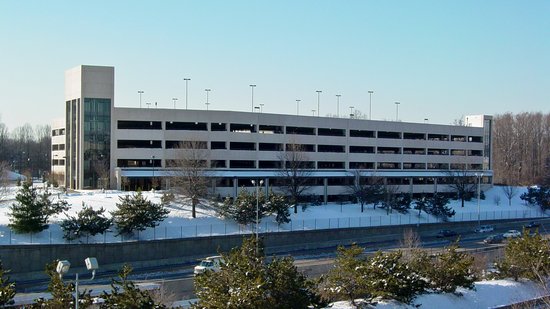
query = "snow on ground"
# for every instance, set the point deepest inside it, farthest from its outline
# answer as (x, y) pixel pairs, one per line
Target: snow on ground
(488, 294)
(181, 224)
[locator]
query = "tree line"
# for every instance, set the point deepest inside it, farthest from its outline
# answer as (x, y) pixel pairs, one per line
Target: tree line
(521, 148)
(25, 149)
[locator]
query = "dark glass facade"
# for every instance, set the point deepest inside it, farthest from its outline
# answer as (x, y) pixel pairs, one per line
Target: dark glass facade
(97, 142)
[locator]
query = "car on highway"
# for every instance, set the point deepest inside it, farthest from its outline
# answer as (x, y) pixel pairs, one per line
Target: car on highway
(211, 263)
(494, 239)
(512, 234)
(484, 229)
(446, 233)
(532, 225)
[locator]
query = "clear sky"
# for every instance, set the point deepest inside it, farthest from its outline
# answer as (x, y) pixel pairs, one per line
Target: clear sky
(440, 59)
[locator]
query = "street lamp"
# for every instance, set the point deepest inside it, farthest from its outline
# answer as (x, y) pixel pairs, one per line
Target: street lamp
(64, 266)
(318, 101)
(479, 176)
(351, 111)
(397, 111)
(298, 107)
(257, 184)
(338, 105)
(148, 104)
(313, 112)
(153, 179)
(370, 104)
(174, 99)
(207, 103)
(186, 90)
(252, 88)
(261, 107)
(140, 93)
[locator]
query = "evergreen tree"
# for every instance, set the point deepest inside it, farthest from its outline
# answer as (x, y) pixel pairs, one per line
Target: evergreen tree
(401, 202)
(349, 277)
(539, 196)
(88, 222)
(7, 288)
(125, 294)
(450, 270)
(389, 278)
(31, 212)
(438, 207)
(526, 257)
(245, 281)
(62, 293)
(278, 205)
(420, 204)
(137, 213)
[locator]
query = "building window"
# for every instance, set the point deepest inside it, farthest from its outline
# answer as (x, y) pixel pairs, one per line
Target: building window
(217, 145)
(242, 146)
(361, 133)
(415, 136)
(414, 151)
(388, 150)
(187, 126)
(458, 138)
(361, 165)
(242, 128)
(270, 147)
(388, 165)
(242, 164)
(438, 137)
(269, 164)
(300, 147)
(217, 164)
(218, 126)
(361, 149)
(300, 130)
(438, 152)
(414, 166)
(138, 144)
(139, 125)
(271, 129)
(331, 132)
(388, 134)
(330, 165)
(331, 148)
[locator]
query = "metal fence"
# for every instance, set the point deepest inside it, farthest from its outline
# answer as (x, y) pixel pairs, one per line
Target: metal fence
(54, 235)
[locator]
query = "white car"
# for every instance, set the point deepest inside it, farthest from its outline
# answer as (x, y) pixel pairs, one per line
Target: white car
(211, 263)
(512, 234)
(484, 229)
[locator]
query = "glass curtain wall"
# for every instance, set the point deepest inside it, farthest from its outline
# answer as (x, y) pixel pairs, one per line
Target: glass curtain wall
(97, 142)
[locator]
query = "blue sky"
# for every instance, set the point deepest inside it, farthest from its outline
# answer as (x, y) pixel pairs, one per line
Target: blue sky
(439, 59)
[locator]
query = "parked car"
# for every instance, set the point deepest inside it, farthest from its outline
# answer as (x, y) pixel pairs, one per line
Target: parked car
(484, 229)
(512, 234)
(211, 263)
(532, 225)
(494, 239)
(446, 233)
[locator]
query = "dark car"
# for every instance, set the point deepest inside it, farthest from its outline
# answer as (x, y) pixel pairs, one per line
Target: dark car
(532, 225)
(494, 239)
(446, 233)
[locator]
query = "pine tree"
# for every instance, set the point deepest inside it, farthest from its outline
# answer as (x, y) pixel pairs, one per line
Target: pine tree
(89, 222)
(137, 213)
(7, 288)
(31, 212)
(438, 207)
(245, 281)
(450, 270)
(389, 278)
(349, 277)
(278, 205)
(125, 294)
(526, 257)
(420, 204)
(62, 293)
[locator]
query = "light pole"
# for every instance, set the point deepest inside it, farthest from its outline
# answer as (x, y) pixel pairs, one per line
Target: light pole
(153, 179)
(257, 108)
(174, 99)
(397, 111)
(207, 103)
(351, 112)
(148, 104)
(186, 90)
(64, 266)
(318, 101)
(338, 105)
(257, 184)
(261, 107)
(479, 176)
(313, 112)
(425, 120)
(298, 107)
(252, 88)
(370, 104)
(140, 93)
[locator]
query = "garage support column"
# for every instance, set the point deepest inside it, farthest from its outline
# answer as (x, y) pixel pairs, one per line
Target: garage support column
(235, 187)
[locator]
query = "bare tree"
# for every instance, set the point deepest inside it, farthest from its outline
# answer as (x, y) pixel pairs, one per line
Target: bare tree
(366, 189)
(189, 171)
(103, 172)
(510, 192)
(295, 173)
(461, 182)
(4, 181)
